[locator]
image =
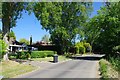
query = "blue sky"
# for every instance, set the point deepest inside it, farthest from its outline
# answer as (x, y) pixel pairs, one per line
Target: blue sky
(28, 25)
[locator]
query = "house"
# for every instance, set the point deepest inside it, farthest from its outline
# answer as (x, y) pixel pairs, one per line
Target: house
(17, 46)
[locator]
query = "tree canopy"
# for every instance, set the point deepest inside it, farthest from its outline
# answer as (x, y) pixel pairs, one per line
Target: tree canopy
(62, 20)
(103, 30)
(11, 11)
(23, 40)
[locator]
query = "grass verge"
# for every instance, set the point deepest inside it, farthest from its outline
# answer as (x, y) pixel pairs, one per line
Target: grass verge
(10, 69)
(107, 70)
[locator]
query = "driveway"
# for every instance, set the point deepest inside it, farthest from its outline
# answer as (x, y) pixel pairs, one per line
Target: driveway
(76, 68)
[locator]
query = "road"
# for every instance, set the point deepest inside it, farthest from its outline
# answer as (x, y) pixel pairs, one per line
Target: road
(76, 68)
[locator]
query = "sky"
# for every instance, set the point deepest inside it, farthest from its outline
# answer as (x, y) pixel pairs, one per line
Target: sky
(29, 25)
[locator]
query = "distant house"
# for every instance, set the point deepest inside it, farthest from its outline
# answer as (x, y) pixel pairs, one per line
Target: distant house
(17, 46)
(42, 43)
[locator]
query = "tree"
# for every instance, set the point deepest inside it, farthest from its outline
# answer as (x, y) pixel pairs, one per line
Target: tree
(23, 40)
(104, 29)
(0, 10)
(45, 38)
(62, 20)
(11, 34)
(11, 11)
(31, 40)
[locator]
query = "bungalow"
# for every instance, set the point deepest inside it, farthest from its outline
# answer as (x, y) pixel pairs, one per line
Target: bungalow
(16, 46)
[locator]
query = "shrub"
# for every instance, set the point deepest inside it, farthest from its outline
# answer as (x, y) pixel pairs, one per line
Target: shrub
(67, 55)
(3, 47)
(115, 61)
(88, 47)
(45, 55)
(21, 55)
(82, 49)
(28, 55)
(41, 54)
(50, 53)
(116, 49)
(77, 49)
(12, 55)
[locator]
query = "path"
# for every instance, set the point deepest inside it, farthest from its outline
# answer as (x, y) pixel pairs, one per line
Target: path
(76, 68)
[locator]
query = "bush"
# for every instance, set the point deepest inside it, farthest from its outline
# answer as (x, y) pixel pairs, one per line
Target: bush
(12, 55)
(116, 49)
(68, 55)
(82, 49)
(77, 49)
(21, 55)
(50, 53)
(41, 54)
(88, 47)
(115, 61)
(28, 55)
(3, 47)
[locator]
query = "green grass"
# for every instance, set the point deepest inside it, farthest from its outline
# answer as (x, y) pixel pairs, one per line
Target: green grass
(10, 69)
(103, 69)
(60, 58)
(107, 70)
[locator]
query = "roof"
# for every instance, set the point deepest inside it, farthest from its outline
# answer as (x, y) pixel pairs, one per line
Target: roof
(17, 45)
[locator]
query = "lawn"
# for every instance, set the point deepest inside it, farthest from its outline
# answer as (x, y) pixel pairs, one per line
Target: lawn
(60, 58)
(10, 69)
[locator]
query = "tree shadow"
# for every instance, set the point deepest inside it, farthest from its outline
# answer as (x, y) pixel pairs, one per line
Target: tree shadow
(51, 61)
(92, 58)
(21, 60)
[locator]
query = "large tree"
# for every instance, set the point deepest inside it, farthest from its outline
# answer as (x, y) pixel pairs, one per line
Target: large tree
(62, 20)
(104, 29)
(11, 11)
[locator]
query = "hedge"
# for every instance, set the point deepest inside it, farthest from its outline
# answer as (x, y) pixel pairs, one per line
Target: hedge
(42, 54)
(33, 54)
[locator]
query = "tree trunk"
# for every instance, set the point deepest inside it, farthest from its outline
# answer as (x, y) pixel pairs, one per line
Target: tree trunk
(6, 26)
(6, 30)
(5, 57)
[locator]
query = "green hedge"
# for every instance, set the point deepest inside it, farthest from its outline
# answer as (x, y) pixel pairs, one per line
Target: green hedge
(33, 54)
(42, 54)
(22, 55)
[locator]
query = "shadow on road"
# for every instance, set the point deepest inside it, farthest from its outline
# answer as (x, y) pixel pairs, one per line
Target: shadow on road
(92, 58)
